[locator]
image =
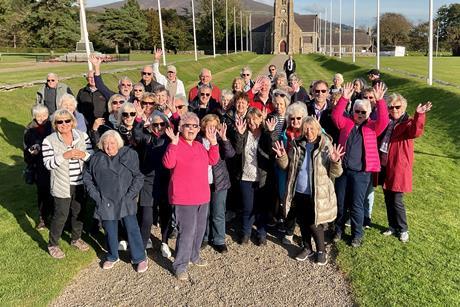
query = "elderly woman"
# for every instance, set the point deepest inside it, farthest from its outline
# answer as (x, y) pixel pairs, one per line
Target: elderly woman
(246, 74)
(113, 180)
(397, 158)
(280, 81)
(69, 103)
(281, 101)
(226, 102)
(337, 82)
(36, 131)
(219, 180)
(298, 92)
(138, 91)
(64, 153)
(146, 107)
(151, 144)
(358, 136)
(312, 163)
(113, 105)
(253, 144)
(358, 87)
(237, 85)
(188, 189)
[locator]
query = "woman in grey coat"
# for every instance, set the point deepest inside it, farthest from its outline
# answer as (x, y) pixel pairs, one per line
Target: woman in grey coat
(113, 180)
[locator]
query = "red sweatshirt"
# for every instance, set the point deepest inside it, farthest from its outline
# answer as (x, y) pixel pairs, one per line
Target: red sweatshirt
(189, 184)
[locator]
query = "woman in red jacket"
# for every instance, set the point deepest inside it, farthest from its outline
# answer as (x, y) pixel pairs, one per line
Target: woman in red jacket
(397, 157)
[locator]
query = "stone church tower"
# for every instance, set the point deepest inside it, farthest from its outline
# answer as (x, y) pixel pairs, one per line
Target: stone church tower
(286, 33)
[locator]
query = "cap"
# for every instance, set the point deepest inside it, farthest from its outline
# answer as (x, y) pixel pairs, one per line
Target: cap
(172, 68)
(374, 72)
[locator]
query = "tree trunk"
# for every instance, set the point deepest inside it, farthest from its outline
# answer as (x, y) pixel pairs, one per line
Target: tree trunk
(456, 50)
(116, 47)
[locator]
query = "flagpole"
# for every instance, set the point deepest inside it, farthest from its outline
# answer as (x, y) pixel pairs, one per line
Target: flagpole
(85, 32)
(194, 31)
(247, 33)
(226, 27)
(340, 29)
(430, 45)
(325, 31)
(330, 32)
(161, 34)
(319, 33)
(241, 30)
(250, 32)
(234, 28)
(213, 33)
(354, 31)
(378, 34)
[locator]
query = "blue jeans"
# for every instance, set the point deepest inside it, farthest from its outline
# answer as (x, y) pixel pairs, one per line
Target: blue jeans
(255, 208)
(215, 227)
(356, 184)
(369, 201)
(136, 247)
(191, 225)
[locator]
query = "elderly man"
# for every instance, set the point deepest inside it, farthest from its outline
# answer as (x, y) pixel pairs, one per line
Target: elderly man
(289, 66)
(170, 82)
(91, 102)
(51, 92)
(205, 78)
(204, 104)
(150, 85)
(246, 74)
(262, 99)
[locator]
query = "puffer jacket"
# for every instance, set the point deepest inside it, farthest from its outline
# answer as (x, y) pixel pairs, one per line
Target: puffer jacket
(323, 170)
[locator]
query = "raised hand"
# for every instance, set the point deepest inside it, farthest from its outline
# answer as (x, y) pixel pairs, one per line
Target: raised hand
(222, 132)
(241, 125)
(348, 90)
(271, 123)
(174, 137)
(264, 113)
(158, 54)
(379, 90)
(171, 105)
(97, 123)
(139, 109)
(336, 153)
(211, 135)
(424, 108)
(279, 149)
(257, 85)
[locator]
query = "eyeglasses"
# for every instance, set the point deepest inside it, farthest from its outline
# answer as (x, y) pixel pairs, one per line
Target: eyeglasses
(360, 112)
(126, 84)
(171, 72)
(205, 94)
(150, 103)
(272, 69)
(117, 102)
(138, 90)
(180, 107)
(50, 80)
(126, 114)
(280, 95)
(60, 122)
(394, 107)
(146, 73)
(296, 118)
(157, 125)
(194, 126)
(320, 91)
(245, 75)
(368, 97)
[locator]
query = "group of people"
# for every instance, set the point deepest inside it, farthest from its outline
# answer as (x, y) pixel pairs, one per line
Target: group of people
(267, 151)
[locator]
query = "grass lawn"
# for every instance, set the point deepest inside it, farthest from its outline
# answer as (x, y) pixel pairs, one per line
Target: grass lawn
(426, 271)
(29, 275)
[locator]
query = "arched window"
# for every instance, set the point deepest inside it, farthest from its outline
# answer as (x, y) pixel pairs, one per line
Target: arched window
(283, 28)
(283, 2)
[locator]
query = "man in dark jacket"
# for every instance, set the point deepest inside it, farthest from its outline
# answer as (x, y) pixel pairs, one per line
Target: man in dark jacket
(289, 66)
(51, 92)
(91, 103)
(148, 81)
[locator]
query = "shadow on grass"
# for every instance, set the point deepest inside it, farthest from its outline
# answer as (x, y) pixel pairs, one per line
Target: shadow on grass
(12, 133)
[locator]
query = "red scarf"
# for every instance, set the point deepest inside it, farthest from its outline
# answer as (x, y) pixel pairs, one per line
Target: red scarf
(291, 134)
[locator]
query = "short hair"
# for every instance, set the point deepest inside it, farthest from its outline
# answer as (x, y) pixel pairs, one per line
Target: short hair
(245, 68)
(368, 90)
(148, 95)
(160, 115)
(397, 97)
(254, 112)
(161, 89)
(297, 107)
(226, 93)
(139, 84)
(203, 70)
(338, 76)
(69, 98)
(62, 113)
(209, 118)
(364, 103)
(241, 95)
(112, 98)
(90, 72)
(312, 121)
(39, 109)
(286, 98)
(360, 81)
(126, 105)
(108, 134)
(293, 77)
(204, 87)
(272, 65)
(52, 74)
(181, 98)
(124, 78)
(189, 116)
(318, 82)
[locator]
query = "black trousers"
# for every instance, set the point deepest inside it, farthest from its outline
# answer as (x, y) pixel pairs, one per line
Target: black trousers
(396, 211)
(148, 215)
(44, 198)
(62, 208)
(305, 209)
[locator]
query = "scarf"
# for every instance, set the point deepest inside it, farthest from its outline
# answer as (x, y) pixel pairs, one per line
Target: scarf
(384, 146)
(292, 134)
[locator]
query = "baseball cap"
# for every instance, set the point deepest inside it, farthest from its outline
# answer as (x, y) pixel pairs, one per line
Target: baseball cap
(172, 68)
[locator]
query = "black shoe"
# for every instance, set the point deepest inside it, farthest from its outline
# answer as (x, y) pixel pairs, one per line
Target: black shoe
(244, 240)
(356, 242)
(262, 241)
(41, 225)
(221, 248)
(367, 223)
(321, 258)
(204, 244)
(337, 237)
(304, 254)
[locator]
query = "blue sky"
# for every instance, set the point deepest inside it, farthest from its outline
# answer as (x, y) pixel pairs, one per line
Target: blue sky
(415, 10)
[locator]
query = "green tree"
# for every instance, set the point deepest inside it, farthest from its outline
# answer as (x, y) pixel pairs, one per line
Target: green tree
(418, 38)
(448, 18)
(394, 29)
(13, 14)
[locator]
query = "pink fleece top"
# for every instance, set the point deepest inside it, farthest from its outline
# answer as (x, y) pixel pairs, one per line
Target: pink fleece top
(189, 184)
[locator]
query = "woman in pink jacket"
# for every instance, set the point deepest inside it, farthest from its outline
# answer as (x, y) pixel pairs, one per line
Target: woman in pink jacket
(188, 189)
(358, 136)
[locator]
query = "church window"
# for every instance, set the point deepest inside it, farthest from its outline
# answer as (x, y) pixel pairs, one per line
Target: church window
(283, 2)
(283, 28)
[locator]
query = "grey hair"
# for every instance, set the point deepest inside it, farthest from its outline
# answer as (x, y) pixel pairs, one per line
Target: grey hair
(312, 121)
(226, 93)
(182, 98)
(245, 68)
(365, 104)
(67, 97)
(39, 109)
(189, 116)
(106, 135)
(205, 69)
(339, 76)
(139, 84)
(297, 107)
(115, 96)
(52, 74)
(62, 113)
(126, 105)
(361, 81)
(397, 97)
(286, 98)
(205, 86)
(124, 78)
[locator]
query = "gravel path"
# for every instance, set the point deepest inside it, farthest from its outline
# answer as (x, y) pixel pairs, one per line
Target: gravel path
(246, 275)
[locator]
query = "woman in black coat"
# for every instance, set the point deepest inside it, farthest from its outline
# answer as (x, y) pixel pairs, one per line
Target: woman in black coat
(113, 180)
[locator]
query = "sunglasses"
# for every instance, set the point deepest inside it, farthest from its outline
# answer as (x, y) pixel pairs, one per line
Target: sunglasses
(245, 75)
(138, 90)
(360, 112)
(60, 122)
(50, 80)
(205, 94)
(158, 125)
(320, 91)
(117, 102)
(368, 97)
(190, 126)
(126, 114)
(171, 72)
(272, 69)
(394, 107)
(180, 107)
(126, 84)
(148, 103)
(146, 73)
(296, 118)
(280, 95)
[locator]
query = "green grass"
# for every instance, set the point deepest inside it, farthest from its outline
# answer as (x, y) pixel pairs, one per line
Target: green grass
(29, 275)
(426, 271)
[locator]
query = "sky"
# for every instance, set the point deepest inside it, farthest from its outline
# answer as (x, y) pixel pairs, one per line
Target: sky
(366, 10)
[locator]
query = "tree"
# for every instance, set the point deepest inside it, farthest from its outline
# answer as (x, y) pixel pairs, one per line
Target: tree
(418, 37)
(394, 29)
(12, 17)
(448, 18)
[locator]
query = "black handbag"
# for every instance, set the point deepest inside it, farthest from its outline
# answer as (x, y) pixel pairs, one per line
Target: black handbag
(29, 174)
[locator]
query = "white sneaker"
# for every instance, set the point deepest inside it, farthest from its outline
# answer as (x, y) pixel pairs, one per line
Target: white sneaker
(165, 251)
(389, 232)
(149, 244)
(404, 236)
(288, 240)
(122, 245)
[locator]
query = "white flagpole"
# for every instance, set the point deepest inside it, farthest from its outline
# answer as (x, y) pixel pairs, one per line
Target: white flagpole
(354, 31)
(330, 32)
(234, 28)
(340, 29)
(325, 31)
(378, 34)
(247, 33)
(194, 31)
(241, 30)
(226, 27)
(213, 33)
(85, 32)
(319, 33)
(161, 34)
(250, 32)
(430, 45)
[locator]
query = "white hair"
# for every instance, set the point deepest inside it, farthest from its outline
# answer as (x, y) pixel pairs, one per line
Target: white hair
(39, 109)
(363, 103)
(69, 98)
(108, 134)
(297, 107)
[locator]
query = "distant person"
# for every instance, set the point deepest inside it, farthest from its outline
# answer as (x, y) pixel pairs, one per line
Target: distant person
(148, 80)
(337, 83)
(205, 78)
(298, 92)
(272, 73)
(374, 76)
(289, 66)
(69, 103)
(50, 93)
(246, 74)
(91, 102)
(174, 85)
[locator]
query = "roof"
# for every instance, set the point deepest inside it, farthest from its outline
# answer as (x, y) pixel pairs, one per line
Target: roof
(347, 38)
(261, 23)
(305, 22)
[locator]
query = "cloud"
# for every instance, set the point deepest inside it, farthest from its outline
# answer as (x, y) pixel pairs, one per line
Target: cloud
(312, 8)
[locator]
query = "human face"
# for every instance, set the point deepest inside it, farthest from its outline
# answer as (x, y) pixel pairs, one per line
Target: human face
(190, 129)
(253, 122)
(63, 124)
(241, 106)
(205, 77)
(158, 125)
(295, 84)
(171, 75)
(357, 86)
(359, 115)
(226, 102)
(128, 116)
(281, 81)
(162, 98)
(337, 82)
(40, 118)
(69, 106)
(210, 124)
(148, 104)
(246, 75)
(116, 104)
(295, 120)
(396, 109)
(372, 77)
(180, 106)
(90, 79)
(110, 146)
(205, 95)
(310, 132)
(52, 81)
(147, 74)
(272, 70)
(280, 105)
(138, 92)
(125, 88)
(237, 86)
(265, 87)
(320, 92)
